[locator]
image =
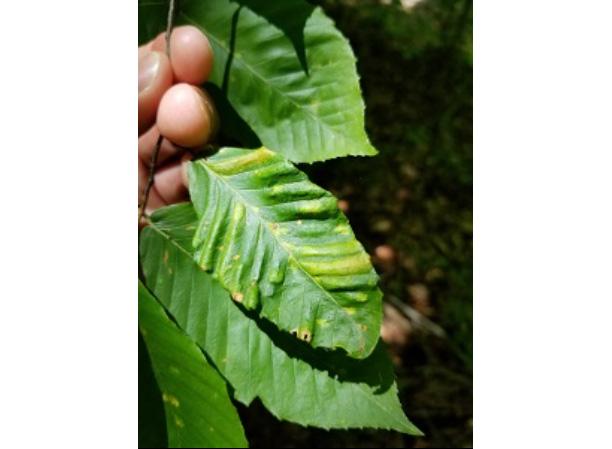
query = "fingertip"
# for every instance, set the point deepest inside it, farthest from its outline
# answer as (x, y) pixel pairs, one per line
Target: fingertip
(192, 55)
(186, 116)
(159, 43)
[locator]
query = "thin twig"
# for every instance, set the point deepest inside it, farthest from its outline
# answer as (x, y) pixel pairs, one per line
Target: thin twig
(155, 154)
(417, 318)
(169, 25)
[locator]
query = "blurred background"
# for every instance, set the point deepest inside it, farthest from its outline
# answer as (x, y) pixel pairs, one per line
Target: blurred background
(411, 206)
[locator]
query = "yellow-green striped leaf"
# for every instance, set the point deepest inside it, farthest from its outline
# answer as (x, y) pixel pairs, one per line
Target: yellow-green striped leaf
(280, 245)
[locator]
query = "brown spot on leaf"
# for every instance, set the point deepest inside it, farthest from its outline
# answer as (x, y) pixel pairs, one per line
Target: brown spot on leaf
(237, 296)
(305, 335)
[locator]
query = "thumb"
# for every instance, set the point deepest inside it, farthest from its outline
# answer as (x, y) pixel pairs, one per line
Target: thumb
(154, 78)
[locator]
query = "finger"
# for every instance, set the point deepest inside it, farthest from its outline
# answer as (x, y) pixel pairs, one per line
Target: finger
(146, 48)
(169, 186)
(154, 78)
(154, 201)
(147, 143)
(191, 54)
(169, 183)
(186, 116)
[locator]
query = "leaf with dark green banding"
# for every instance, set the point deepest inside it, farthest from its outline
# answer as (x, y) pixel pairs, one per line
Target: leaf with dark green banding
(280, 245)
(295, 382)
(287, 71)
(199, 412)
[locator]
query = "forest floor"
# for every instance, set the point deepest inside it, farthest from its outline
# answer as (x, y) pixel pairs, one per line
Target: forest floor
(411, 206)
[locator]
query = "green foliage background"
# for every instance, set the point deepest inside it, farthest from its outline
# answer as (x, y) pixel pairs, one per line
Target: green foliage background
(416, 195)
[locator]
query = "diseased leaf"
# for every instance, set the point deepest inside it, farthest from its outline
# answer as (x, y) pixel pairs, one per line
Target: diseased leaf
(287, 71)
(294, 381)
(278, 242)
(199, 412)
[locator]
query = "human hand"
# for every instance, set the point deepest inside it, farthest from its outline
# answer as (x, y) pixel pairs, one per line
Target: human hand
(169, 102)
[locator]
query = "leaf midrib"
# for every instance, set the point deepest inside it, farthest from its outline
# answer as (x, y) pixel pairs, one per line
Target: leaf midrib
(267, 229)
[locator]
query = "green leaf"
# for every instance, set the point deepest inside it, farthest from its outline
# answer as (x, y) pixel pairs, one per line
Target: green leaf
(294, 381)
(199, 412)
(151, 419)
(279, 243)
(287, 71)
(152, 18)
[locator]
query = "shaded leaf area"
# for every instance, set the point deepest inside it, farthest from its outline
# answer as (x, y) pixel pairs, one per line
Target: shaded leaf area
(283, 434)
(289, 16)
(152, 19)
(280, 244)
(151, 419)
(233, 129)
(294, 381)
(285, 70)
(199, 412)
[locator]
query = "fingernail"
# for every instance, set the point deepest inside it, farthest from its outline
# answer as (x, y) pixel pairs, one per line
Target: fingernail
(148, 66)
